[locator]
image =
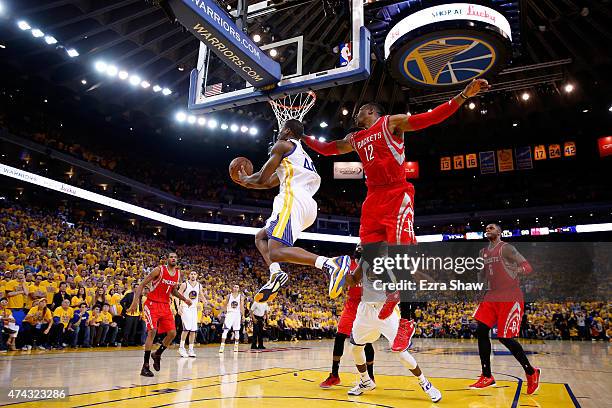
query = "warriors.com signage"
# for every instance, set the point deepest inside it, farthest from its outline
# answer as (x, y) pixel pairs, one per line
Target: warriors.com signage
(348, 170)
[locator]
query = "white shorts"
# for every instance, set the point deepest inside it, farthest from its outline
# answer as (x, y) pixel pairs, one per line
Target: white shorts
(291, 214)
(232, 321)
(189, 317)
(367, 327)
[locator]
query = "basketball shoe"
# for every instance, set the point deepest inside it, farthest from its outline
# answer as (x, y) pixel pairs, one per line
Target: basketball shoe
(183, 352)
(432, 391)
(236, 348)
(191, 353)
(362, 386)
(222, 348)
(405, 331)
(146, 372)
(330, 381)
(269, 291)
(337, 268)
(156, 360)
(483, 382)
(533, 381)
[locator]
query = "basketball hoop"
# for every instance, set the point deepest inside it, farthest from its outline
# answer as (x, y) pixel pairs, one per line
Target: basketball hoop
(293, 107)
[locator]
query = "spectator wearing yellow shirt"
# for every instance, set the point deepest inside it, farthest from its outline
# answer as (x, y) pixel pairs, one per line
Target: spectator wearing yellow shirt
(80, 297)
(106, 331)
(60, 334)
(37, 325)
(16, 292)
(51, 287)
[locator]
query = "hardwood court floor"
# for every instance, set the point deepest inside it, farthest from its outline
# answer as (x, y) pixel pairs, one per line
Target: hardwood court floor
(287, 374)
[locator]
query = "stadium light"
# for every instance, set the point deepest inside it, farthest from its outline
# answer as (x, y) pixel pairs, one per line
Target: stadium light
(568, 88)
(72, 53)
(321, 139)
(345, 112)
(610, 108)
(253, 131)
(212, 124)
(525, 96)
(123, 75)
(273, 52)
(472, 105)
(37, 33)
(180, 116)
(49, 39)
(157, 88)
(134, 80)
(166, 91)
(145, 84)
(112, 70)
(323, 124)
(201, 121)
(100, 66)
(191, 119)
(84, 81)
(23, 25)
(234, 127)
(224, 126)
(257, 38)
(244, 129)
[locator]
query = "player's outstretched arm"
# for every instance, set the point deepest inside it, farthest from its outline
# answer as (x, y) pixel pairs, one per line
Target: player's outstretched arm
(264, 177)
(332, 148)
(409, 123)
(138, 292)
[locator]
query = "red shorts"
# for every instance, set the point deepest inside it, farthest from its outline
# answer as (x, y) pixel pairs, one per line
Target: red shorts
(387, 215)
(349, 313)
(158, 316)
(506, 315)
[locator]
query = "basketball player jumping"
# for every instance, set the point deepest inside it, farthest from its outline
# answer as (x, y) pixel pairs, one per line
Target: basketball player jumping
(293, 211)
(191, 289)
(234, 312)
(387, 214)
(158, 316)
(502, 306)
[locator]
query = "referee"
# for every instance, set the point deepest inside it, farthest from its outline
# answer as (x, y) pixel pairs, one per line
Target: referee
(258, 315)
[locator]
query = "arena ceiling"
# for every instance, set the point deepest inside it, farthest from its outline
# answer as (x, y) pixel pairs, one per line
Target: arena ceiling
(576, 35)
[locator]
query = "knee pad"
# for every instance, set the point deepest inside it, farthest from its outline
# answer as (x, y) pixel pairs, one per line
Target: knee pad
(358, 354)
(407, 360)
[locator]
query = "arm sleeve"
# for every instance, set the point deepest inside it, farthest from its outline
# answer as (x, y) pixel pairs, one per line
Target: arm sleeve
(324, 148)
(437, 115)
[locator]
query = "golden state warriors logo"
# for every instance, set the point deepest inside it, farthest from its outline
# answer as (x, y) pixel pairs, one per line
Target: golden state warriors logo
(445, 61)
(193, 294)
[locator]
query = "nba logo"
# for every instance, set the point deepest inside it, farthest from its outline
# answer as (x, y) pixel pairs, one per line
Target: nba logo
(345, 54)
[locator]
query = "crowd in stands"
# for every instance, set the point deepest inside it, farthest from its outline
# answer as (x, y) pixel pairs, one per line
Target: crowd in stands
(68, 284)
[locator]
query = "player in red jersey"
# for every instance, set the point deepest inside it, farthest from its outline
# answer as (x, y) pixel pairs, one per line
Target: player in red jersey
(164, 280)
(387, 214)
(345, 326)
(502, 306)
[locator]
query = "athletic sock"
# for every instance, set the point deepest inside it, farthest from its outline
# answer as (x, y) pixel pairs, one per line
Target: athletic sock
(517, 351)
(365, 376)
(422, 379)
(274, 268)
(335, 367)
(320, 261)
(484, 349)
(160, 350)
(147, 355)
(370, 368)
(182, 344)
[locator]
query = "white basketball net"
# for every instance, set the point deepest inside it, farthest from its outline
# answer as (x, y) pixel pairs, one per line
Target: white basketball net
(293, 107)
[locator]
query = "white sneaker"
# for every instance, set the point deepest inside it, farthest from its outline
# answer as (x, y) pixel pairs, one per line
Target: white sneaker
(236, 348)
(432, 391)
(222, 348)
(183, 352)
(41, 348)
(337, 268)
(191, 353)
(361, 387)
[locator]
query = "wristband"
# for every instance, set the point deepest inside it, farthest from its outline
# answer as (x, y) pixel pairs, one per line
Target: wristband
(465, 98)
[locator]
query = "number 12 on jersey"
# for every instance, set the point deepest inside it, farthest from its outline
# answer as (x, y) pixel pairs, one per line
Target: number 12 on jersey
(369, 152)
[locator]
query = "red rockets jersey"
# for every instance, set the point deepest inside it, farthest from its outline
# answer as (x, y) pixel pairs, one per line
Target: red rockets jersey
(501, 283)
(163, 285)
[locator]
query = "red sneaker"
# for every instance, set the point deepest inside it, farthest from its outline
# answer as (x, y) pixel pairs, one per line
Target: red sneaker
(330, 381)
(483, 382)
(533, 381)
(392, 301)
(403, 336)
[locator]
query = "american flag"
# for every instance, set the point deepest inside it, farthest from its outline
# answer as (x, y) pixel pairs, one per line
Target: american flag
(214, 89)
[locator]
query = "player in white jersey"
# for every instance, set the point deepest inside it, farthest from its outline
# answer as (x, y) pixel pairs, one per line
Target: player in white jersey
(367, 328)
(294, 210)
(234, 312)
(192, 290)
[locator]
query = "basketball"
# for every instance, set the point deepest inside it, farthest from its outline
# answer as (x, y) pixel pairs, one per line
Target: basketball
(236, 164)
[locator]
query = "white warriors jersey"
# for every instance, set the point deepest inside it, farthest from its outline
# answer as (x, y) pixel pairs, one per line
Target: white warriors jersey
(192, 293)
(233, 304)
(297, 173)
